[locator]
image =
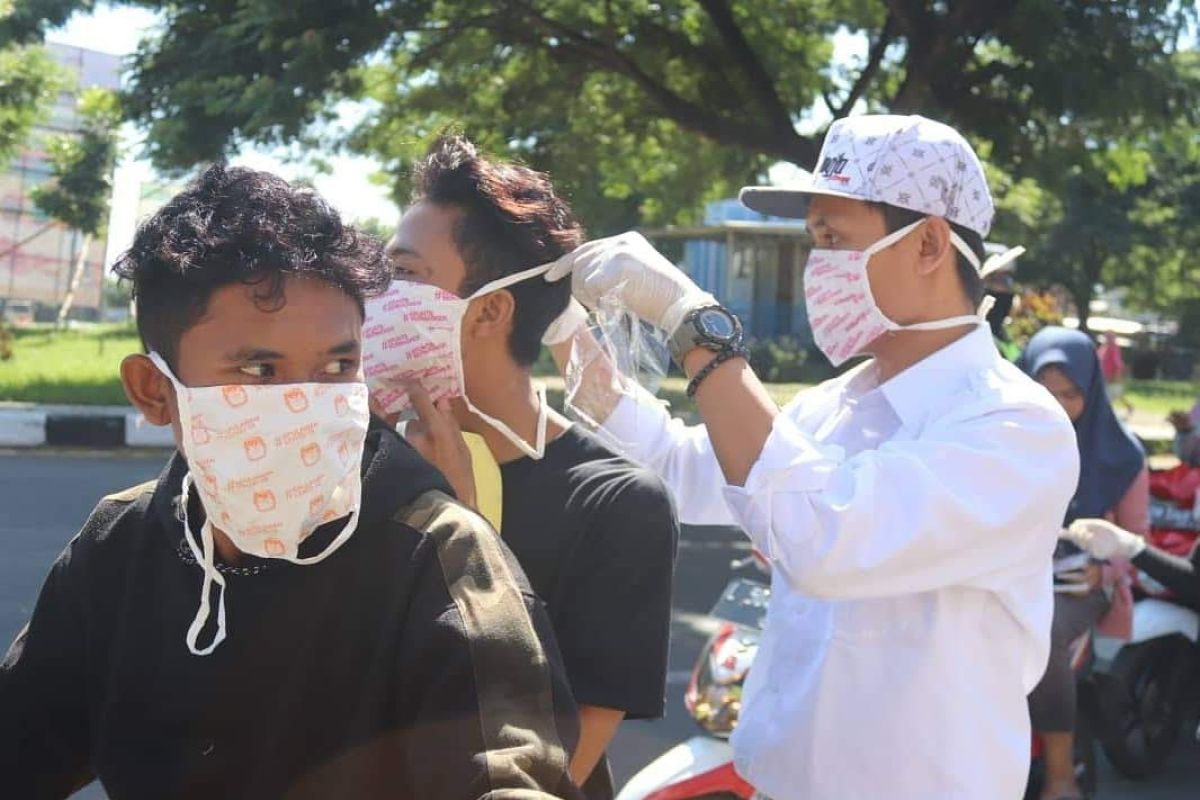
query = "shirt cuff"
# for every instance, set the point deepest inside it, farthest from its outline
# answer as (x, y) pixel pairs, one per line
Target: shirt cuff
(790, 462)
(638, 418)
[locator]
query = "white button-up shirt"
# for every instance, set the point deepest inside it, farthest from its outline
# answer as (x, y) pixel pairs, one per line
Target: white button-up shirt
(910, 526)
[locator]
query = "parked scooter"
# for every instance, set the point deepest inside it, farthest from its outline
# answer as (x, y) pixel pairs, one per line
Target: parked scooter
(1150, 684)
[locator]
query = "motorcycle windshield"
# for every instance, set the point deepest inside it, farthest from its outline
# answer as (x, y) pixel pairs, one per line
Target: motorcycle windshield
(743, 602)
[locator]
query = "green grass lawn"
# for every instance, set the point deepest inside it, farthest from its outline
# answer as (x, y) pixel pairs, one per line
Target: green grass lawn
(77, 367)
(1161, 397)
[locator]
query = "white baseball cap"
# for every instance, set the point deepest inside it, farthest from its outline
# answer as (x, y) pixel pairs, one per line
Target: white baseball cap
(909, 162)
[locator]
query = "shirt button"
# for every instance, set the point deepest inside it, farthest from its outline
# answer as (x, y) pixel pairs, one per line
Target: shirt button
(208, 748)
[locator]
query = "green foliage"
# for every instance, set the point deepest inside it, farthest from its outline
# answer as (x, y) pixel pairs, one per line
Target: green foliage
(1111, 205)
(779, 360)
(29, 80)
(641, 110)
(82, 164)
(376, 227)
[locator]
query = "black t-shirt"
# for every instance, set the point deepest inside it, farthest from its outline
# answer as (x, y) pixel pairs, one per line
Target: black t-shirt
(596, 535)
(413, 662)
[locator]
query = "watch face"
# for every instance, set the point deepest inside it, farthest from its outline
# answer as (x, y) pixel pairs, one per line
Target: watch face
(715, 323)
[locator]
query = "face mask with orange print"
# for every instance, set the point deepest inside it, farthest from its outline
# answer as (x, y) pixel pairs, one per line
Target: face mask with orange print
(271, 463)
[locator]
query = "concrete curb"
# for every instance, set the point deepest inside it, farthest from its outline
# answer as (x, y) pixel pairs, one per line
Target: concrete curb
(26, 425)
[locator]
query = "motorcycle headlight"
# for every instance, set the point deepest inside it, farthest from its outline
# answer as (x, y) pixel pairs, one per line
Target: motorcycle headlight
(714, 695)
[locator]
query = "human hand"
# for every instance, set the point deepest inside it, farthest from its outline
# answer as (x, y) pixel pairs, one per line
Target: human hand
(1104, 540)
(1083, 580)
(644, 281)
(378, 410)
(436, 435)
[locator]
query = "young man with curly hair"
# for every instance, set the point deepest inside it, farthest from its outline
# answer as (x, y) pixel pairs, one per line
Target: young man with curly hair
(295, 607)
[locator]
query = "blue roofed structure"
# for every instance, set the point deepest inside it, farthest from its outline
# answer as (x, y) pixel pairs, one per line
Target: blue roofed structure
(752, 263)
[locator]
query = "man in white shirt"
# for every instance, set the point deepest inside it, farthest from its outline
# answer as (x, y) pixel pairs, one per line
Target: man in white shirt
(909, 508)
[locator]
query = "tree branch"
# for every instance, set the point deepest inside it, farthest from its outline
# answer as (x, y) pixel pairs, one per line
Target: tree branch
(761, 82)
(874, 60)
(687, 114)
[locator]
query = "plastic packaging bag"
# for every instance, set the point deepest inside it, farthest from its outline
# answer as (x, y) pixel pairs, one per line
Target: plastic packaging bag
(614, 356)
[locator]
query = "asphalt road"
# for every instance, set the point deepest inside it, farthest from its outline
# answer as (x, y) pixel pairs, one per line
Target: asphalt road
(45, 496)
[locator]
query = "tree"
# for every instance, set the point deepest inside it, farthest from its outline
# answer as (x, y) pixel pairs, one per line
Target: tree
(29, 79)
(1111, 206)
(78, 192)
(640, 108)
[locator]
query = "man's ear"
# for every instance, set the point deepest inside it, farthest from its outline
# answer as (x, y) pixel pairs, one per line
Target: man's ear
(493, 315)
(935, 245)
(148, 389)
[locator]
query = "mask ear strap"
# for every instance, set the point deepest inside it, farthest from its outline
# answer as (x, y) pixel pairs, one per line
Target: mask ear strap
(1001, 260)
(894, 237)
(205, 558)
(509, 280)
(161, 364)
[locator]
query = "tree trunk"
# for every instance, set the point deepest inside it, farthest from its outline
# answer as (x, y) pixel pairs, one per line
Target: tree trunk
(76, 277)
(1083, 302)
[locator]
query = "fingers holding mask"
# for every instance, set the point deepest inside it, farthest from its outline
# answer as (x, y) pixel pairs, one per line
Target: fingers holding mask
(629, 269)
(436, 435)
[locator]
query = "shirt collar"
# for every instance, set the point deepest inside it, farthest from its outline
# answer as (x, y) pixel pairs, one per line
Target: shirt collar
(913, 394)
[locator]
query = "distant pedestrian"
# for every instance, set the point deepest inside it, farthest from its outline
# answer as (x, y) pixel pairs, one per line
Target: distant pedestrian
(1112, 364)
(1187, 439)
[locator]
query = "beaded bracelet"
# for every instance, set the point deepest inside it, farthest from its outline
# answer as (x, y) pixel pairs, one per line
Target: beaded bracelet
(728, 354)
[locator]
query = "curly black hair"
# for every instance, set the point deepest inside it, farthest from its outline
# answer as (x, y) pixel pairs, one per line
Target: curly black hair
(511, 220)
(238, 225)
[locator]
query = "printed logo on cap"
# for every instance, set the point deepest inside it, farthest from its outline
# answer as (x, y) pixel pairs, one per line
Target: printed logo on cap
(833, 166)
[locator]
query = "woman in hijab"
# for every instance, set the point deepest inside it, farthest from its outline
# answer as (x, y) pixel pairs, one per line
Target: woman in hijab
(1114, 484)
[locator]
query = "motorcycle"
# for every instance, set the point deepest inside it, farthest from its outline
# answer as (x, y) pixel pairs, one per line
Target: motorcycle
(701, 768)
(1150, 685)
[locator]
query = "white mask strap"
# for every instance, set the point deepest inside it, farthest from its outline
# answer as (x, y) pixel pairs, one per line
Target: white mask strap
(161, 363)
(536, 452)
(341, 539)
(509, 280)
(205, 558)
(893, 237)
(999, 261)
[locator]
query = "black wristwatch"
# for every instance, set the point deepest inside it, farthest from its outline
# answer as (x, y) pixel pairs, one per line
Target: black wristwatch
(714, 328)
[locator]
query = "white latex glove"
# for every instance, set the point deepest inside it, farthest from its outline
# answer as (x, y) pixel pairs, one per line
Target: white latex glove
(629, 268)
(1103, 540)
(564, 327)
